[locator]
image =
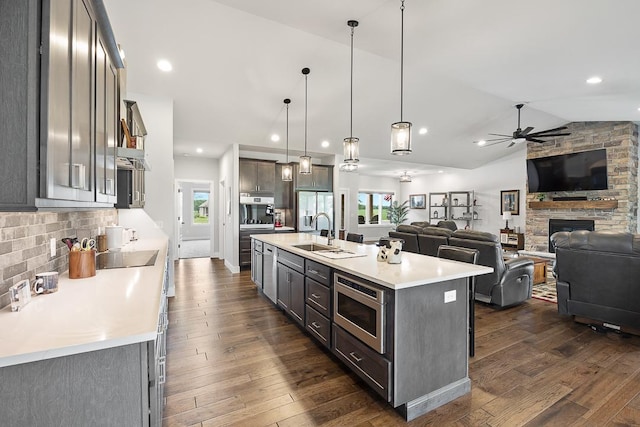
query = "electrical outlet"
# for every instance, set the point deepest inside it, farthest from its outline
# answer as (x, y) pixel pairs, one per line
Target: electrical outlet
(449, 296)
(52, 246)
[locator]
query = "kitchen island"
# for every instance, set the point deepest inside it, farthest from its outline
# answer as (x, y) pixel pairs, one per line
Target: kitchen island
(410, 344)
(91, 353)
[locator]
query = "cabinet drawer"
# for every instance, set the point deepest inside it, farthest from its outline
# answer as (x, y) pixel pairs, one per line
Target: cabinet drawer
(318, 296)
(290, 260)
(374, 369)
(318, 272)
(319, 326)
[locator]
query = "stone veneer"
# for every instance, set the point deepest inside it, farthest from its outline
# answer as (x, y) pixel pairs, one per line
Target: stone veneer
(24, 242)
(620, 139)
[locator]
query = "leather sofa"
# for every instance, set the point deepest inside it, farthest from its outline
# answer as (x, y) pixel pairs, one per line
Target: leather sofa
(431, 238)
(511, 281)
(408, 233)
(597, 276)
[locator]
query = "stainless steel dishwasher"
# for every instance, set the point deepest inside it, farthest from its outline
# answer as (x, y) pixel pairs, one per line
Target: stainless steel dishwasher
(269, 260)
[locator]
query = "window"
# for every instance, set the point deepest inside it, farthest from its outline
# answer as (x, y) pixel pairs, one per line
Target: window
(373, 208)
(200, 207)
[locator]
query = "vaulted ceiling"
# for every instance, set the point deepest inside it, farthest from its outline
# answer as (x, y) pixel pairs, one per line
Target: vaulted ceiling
(467, 63)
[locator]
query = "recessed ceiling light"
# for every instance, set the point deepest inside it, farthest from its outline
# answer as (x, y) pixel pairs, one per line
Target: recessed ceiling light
(275, 137)
(638, 108)
(440, 171)
(594, 80)
(482, 142)
(165, 65)
(198, 150)
(423, 131)
(325, 144)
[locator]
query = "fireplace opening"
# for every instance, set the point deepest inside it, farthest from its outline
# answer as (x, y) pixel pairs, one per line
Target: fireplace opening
(556, 225)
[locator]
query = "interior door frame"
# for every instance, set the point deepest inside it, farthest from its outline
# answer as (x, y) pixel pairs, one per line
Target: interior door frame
(213, 231)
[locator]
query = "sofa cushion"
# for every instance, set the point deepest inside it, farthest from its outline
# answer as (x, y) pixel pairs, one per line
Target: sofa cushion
(437, 231)
(476, 235)
(421, 223)
(602, 241)
(403, 228)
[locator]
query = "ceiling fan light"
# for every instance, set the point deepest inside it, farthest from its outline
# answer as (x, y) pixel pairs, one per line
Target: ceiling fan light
(348, 167)
(305, 165)
(401, 138)
(405, 177)
(482, 142)
(287, 172)
(351, 150)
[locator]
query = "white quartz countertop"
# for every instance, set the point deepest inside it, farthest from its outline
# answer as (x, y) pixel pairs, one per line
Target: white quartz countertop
(115, 307)
(414, 270)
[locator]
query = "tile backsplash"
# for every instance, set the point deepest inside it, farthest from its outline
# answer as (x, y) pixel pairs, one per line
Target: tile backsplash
(25, 236)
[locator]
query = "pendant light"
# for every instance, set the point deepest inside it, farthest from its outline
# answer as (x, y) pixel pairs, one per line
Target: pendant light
(348, 167)
(305, 161)
(351, 151)
(405, 177)
(401, 131)
(287, 169)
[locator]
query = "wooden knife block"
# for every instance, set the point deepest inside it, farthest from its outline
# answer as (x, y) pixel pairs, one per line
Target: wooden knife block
(82, 264)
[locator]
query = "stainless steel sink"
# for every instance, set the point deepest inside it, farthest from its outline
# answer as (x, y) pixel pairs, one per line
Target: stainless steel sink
(312, 247)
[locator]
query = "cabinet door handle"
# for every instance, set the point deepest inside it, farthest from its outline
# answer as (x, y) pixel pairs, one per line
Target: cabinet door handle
(312, 271)
(316, 296)
(315, 325)
(355, 357)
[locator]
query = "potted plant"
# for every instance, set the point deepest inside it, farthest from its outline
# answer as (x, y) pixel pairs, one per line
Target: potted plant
(398, 213)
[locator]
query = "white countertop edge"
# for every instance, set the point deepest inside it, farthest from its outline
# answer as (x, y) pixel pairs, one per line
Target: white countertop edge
(75, 349)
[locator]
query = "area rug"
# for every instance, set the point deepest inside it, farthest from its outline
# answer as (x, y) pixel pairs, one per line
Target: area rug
(545, 291)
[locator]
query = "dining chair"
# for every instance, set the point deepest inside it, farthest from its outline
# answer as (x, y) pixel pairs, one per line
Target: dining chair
(355, 237)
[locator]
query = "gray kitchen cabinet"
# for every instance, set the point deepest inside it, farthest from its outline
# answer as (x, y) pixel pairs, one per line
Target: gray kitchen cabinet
(320, 178)
(106, 124)
(291, 285)
(257, 176)
(257, 263)
(48, 114)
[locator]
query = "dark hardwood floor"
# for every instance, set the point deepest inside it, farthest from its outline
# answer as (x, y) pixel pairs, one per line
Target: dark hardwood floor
(234, 359)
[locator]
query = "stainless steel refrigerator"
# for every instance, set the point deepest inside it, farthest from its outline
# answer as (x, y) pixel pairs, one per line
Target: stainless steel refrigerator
(310, 203)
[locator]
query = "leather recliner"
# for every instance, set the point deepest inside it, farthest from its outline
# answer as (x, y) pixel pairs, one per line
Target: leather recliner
(597, 276)
(511, 281)
(431, 238)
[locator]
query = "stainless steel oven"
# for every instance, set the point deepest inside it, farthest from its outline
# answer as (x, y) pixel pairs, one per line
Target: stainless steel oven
(358, 308)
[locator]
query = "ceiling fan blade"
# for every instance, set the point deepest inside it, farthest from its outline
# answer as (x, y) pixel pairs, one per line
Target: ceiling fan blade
(500, 134)
(499, 139)
(526, 131)
(497, 142)
(535, 140)
(512, 144)
(549, 135)
(549, 130)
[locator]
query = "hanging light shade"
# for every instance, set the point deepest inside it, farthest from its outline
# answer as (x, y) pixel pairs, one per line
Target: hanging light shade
(287, 169)
(351, 149)
(405, 177)
(401, 131)
(305, 161)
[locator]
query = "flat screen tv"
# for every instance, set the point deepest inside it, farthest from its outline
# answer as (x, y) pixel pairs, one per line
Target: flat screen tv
(582, 171)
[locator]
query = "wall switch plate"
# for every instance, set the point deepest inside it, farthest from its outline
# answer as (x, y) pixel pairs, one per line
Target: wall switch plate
(52, 246)
(449, 296)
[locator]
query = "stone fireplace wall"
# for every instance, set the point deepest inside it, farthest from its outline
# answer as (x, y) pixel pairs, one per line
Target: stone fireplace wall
(620, 139)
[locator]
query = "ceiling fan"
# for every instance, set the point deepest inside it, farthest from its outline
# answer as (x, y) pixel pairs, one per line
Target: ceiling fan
(520, 135)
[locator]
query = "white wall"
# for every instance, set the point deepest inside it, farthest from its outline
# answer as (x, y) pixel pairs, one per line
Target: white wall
(157, 113)
(202, 170)
(508, 173)
(230, 223)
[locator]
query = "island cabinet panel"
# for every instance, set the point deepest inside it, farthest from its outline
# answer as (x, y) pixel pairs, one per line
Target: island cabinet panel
(296, 304)
(106, 390)
(291, 285)
(319, 326)
(318, 272)
(284, 287)
(318, 296)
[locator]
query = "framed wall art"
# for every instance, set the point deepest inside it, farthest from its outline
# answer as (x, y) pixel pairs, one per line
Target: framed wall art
(510, 202)
(418, 201)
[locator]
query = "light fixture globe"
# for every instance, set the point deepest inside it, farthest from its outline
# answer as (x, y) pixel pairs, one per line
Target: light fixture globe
(348, 167)
(287, 169)
(305, 161)
(405, 177)
(401, 138)
(305, 165)
(351, 150)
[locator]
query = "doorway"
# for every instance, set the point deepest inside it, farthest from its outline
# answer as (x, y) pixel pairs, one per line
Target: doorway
(196, 232)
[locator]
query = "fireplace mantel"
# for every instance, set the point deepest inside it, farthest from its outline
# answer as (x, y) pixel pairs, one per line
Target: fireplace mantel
(575, 204)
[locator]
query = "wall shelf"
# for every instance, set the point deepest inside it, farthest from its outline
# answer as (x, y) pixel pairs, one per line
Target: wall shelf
(575, 204)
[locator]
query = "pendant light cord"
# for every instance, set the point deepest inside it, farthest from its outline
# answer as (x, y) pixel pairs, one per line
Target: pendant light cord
(305, 115)
(351, 108)
(401, 57)
(287, 132)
